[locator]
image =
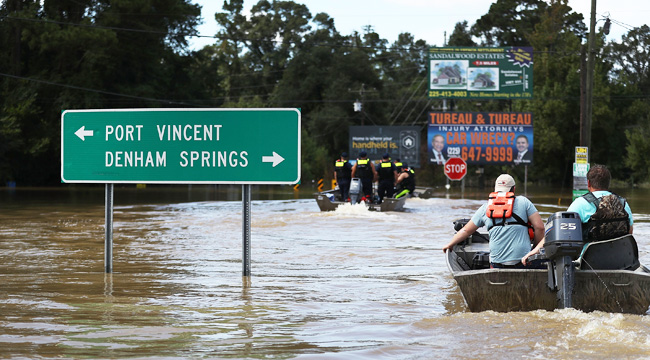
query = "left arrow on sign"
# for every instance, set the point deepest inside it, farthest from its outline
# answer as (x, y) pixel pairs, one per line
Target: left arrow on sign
(275, 159)
(82, 133)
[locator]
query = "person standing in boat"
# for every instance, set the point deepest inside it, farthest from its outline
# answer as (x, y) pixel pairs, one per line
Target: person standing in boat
(508, 219)
(387, 177)
(365, 171)
(609, 227)
(343, 175)
(398, 165)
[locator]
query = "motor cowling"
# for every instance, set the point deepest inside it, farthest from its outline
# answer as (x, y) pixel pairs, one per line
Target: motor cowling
(563, 233)
(460, 223)
(475, 237)
(355, 190)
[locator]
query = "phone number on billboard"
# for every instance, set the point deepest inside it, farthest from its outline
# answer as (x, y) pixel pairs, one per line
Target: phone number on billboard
(480, 154)
(434, 93)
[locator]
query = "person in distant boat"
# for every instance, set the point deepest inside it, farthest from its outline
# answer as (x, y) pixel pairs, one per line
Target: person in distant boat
(595, 228)
(405, 183)
(387, 177)
(509, 220)
(398, 165)
(366, 172)
(343, 175)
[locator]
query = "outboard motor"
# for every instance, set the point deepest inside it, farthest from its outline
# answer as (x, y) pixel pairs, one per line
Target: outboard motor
(476, 237)
(355, 190)
(563, 244)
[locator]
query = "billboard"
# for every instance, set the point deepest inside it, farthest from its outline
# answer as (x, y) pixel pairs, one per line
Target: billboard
(400, 142)
(481, 138)
(481, 73)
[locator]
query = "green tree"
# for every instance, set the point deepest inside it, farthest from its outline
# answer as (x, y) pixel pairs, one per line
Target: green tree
(461, 35)
(275, 31)
(638, 146)
(632, 58)
(509, 22)
(85, 54)
(404, 75)
(556, 41)
(225, 55)
(631, 75)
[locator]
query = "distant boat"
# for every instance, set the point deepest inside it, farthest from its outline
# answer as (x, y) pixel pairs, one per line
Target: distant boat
(607, 276)
(329, 200)
(423, 192)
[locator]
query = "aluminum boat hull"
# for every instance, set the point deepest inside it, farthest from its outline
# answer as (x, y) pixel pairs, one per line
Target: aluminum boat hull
(326, 204)
(503, 290)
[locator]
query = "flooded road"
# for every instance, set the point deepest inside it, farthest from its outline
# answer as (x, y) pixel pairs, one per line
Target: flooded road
(348, 284)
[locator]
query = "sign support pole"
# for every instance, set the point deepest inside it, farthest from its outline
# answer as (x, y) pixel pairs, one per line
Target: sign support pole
(246, 230)
(462, 187)
(108, 243)
(525, 180)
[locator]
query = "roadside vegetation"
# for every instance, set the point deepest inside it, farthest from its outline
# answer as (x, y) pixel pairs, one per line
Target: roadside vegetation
(96, 54)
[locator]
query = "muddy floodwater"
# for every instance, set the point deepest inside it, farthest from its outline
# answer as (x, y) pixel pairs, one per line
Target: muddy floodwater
(347, 284)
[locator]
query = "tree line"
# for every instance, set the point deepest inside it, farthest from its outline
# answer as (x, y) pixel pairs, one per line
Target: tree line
(94, 54)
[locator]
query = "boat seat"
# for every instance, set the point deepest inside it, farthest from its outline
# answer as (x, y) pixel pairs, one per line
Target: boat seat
(614, 254)
(481, 260)
(462, 263)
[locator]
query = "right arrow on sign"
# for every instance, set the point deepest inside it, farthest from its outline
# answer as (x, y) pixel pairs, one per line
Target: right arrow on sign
(275, 159)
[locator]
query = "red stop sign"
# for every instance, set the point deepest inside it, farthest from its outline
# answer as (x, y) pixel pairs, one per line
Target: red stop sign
(455, 168)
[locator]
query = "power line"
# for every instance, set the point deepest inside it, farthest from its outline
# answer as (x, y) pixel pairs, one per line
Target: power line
(194, 34)
(412, 94)
(101, 27)
(402, 98)
(93, 90)
(415, 119)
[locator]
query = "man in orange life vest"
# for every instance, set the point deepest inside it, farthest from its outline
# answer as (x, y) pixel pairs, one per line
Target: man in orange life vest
(508, 219)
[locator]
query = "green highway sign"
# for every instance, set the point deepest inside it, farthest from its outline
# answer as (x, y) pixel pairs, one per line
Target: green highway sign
(181, 146)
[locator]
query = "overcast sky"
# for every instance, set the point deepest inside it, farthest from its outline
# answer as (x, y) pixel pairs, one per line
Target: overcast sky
(427, 19)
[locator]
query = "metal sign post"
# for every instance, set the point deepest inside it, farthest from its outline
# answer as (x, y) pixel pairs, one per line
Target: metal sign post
(246, 230)
(108, 242)
(525, 180)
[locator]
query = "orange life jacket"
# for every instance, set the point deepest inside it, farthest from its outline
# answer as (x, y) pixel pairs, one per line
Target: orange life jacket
(500, 206)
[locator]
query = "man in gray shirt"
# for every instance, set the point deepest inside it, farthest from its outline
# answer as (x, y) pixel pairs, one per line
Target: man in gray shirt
(507, 225)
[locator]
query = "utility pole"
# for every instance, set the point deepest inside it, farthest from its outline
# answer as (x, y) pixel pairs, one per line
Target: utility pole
(590, 77)
(583, 90)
